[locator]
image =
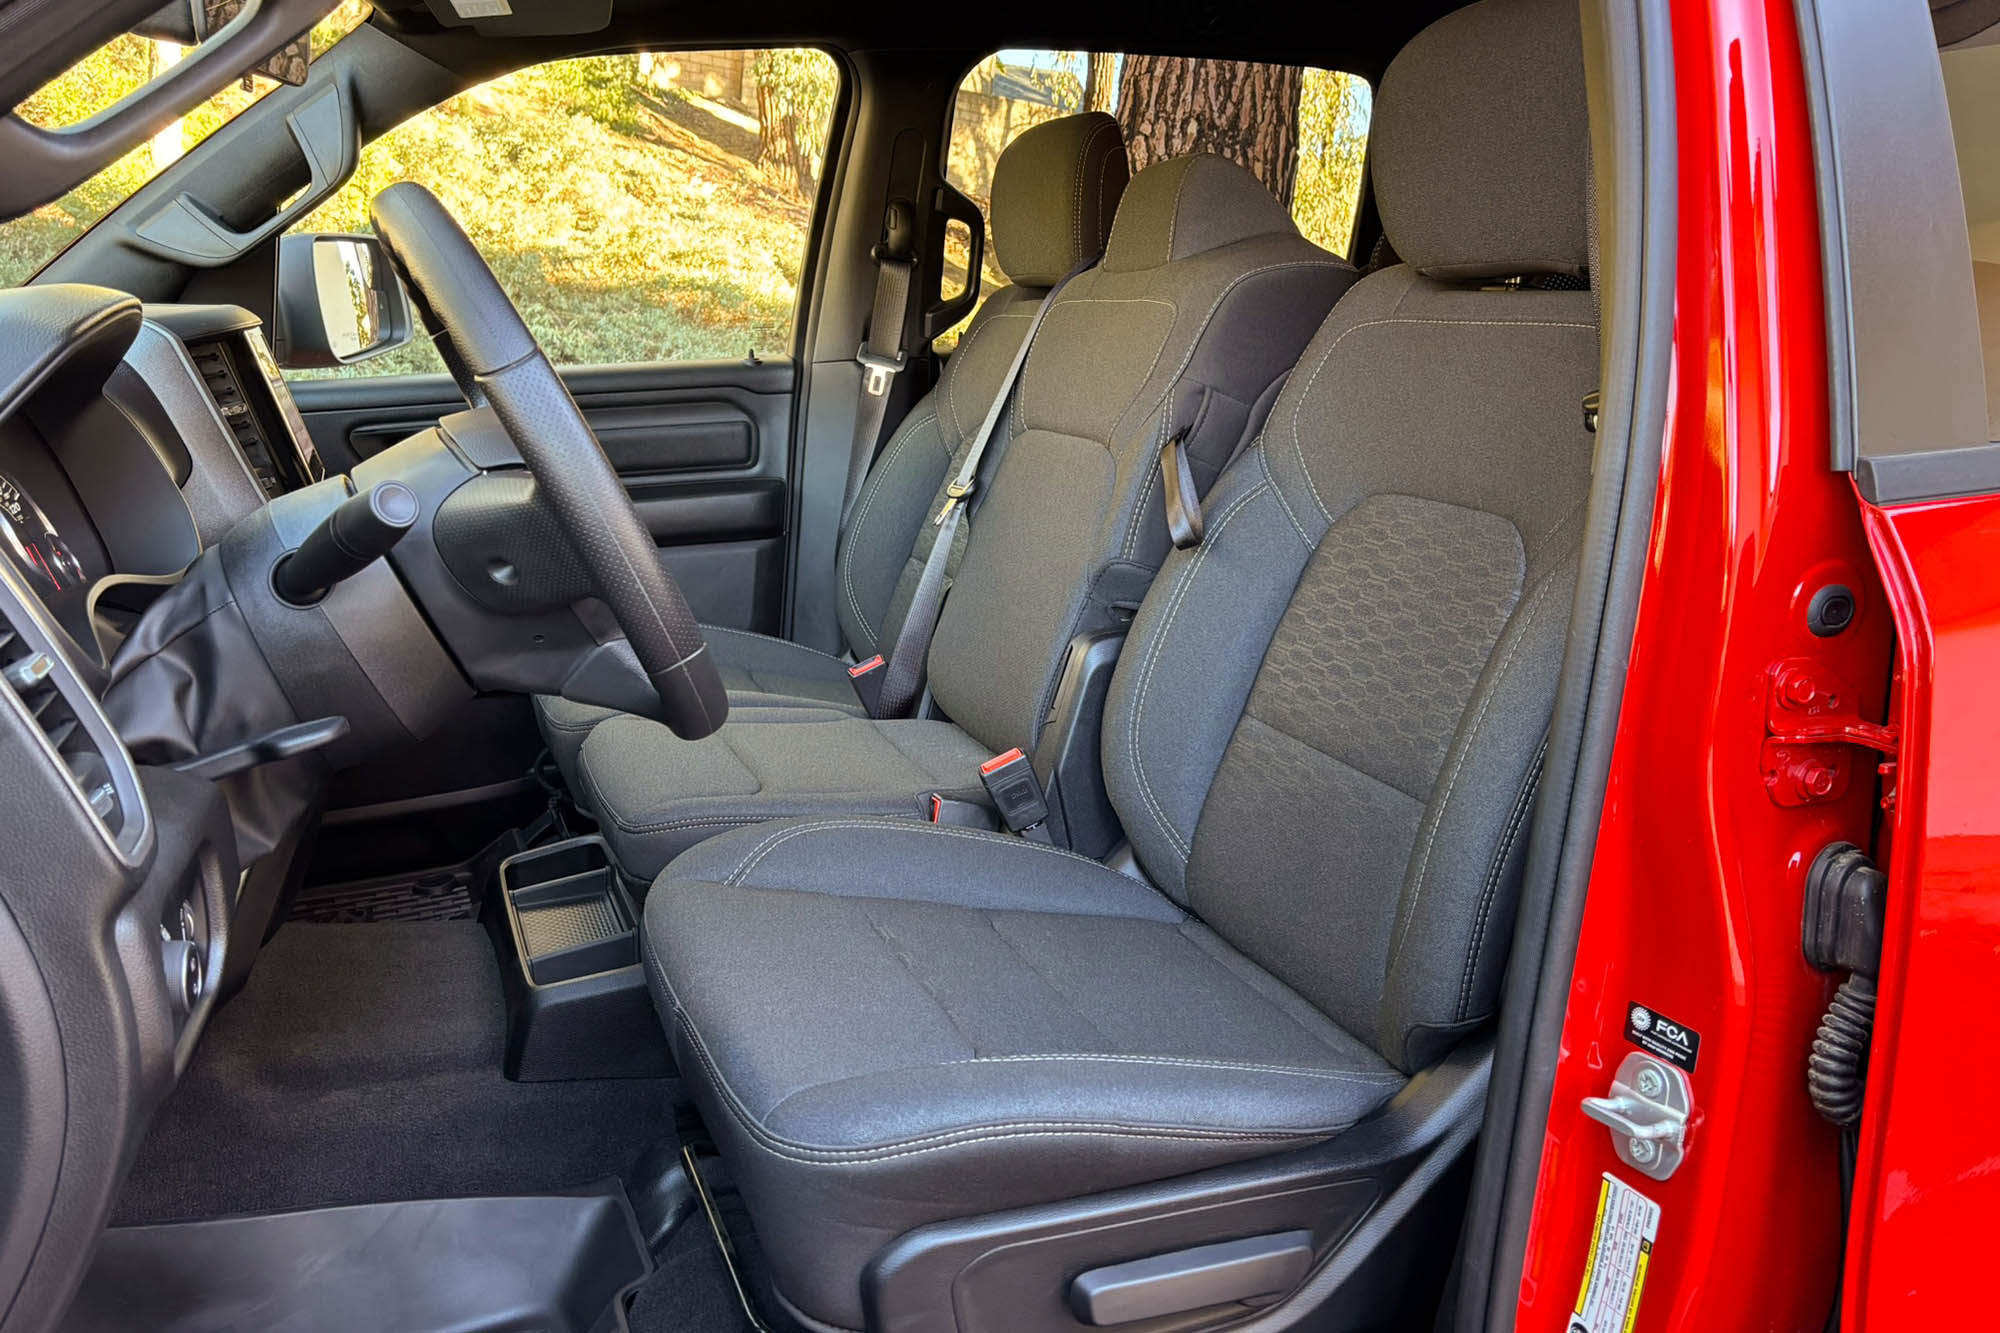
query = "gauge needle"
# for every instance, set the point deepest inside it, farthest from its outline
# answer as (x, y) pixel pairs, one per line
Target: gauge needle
(48, 571)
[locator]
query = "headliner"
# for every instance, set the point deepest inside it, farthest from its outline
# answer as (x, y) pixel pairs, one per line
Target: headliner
(1357, 37)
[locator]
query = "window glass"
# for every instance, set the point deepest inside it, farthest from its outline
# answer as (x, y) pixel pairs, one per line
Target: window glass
(1972, 88)
(637, 207)
(118, 68)
(1303, 131)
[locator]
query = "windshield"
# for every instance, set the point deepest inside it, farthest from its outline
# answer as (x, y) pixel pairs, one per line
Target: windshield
(99, 80)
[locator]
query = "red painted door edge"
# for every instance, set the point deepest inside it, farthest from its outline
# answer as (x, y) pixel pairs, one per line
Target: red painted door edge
(1928, 1180)
(1697, 885)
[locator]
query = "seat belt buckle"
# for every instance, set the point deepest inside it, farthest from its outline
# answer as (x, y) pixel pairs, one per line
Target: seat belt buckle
(955, 812)
(1016, 791)
(879, 370)
(866, 677)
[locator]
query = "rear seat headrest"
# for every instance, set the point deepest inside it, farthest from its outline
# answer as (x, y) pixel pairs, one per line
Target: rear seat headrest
(1188, 205)
(1055, 191)
(1480, 140)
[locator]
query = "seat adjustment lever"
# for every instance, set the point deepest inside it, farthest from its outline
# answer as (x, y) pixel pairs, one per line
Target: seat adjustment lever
(1257, 1267)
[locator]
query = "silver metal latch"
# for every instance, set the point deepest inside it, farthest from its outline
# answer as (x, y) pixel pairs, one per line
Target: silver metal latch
(879, 370)
(1647, 1114)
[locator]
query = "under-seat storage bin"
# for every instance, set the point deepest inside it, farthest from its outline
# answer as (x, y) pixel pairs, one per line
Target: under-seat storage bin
(577, 1001)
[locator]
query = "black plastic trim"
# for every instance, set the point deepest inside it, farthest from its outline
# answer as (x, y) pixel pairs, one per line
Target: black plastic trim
(1930, 474)
(1905, 367)
(555, 1262)
(1012, 1270)
(577, 1003)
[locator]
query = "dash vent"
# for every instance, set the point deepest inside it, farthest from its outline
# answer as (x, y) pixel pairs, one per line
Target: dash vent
(36, 677)
(219, 376)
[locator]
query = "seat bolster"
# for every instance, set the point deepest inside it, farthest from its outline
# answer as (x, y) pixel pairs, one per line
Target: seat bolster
(761, 671)
(1193, 652)
(565, 725)
(988, 871)
(757, 670)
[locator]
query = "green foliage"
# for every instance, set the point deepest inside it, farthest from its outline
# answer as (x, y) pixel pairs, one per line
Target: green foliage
(1333, 149)
(618, 218)
(797, 88)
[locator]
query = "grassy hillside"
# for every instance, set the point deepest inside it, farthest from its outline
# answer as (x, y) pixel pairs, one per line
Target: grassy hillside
(627, 222)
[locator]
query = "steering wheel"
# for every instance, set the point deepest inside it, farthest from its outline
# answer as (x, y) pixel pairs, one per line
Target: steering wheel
(496, 360)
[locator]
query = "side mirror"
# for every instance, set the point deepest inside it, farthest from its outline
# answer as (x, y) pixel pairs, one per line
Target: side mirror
(339, 302)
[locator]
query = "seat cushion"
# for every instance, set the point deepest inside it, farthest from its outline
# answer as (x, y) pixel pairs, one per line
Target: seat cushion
(761, 671)
(888, 1024)
(657, 795)
(757, 670)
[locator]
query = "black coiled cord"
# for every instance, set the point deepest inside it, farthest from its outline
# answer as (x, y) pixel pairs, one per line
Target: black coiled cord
(1837, 1072)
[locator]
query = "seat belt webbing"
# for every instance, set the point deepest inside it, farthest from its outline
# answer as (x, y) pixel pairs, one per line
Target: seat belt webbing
(895, 267)
(904, 674)
(1178, 494)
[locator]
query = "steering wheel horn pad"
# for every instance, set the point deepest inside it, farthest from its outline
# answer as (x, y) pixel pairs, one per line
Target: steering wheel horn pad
(491, 353)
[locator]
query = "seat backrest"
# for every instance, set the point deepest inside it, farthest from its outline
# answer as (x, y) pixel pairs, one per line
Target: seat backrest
(1204, 299)
(1324, 735)
(1055, 191)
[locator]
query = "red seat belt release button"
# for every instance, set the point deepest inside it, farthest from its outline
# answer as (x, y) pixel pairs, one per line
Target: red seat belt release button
(866, 678)
(1016, 791)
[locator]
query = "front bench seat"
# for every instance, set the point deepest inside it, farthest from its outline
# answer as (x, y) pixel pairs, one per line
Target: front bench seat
(1056, 189)
(1204, 299)
(1324, 740)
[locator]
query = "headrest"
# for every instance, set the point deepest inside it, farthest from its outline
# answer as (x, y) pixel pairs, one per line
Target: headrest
(1055, 191)
(1480, 140)
(1188, 205)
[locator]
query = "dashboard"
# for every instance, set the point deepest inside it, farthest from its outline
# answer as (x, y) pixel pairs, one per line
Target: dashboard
(132, 440)
(59, 557)
(191, 429)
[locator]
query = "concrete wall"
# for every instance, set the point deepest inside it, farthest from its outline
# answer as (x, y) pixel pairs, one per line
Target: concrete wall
(725, 76)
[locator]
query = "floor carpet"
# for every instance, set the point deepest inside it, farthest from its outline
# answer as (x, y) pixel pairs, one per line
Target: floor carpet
(362, 1064)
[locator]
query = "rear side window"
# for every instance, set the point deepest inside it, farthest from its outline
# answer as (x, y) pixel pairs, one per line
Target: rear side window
(644, 207)
(1302, 131)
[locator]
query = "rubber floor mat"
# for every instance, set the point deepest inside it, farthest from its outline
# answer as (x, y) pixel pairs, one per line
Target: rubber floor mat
(431, 895)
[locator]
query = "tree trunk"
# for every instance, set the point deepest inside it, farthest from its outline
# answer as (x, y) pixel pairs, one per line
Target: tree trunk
(1100, 84)
(1248, 113)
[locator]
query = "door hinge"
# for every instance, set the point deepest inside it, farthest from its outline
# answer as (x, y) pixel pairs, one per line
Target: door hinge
(1813, 728)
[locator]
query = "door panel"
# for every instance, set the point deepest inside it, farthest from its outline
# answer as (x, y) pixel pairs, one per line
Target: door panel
(704, 448)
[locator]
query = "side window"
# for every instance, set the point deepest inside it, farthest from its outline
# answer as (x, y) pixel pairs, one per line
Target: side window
(1972, 91)
(1303, 131)
(638, 207)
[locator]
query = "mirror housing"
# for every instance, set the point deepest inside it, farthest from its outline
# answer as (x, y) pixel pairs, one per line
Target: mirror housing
(339, 302)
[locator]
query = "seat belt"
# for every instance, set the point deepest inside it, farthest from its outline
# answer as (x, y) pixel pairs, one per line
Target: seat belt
(903, 675)
(895, 267)
(1178, 493)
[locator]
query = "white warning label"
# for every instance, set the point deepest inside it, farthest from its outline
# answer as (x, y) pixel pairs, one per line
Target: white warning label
(1621, 1249)
(482, 9)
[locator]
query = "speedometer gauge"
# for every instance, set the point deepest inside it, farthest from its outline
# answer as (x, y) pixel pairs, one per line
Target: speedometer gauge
(34, 540)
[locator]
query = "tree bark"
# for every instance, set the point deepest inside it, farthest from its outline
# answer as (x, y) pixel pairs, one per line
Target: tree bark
(1100, 84)
(1248, 113)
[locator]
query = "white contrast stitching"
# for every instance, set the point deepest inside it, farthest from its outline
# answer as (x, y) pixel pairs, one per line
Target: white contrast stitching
(1408, 910)
(770, 844)
(1175, 1062)
(1153, 653)
(875, 474)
